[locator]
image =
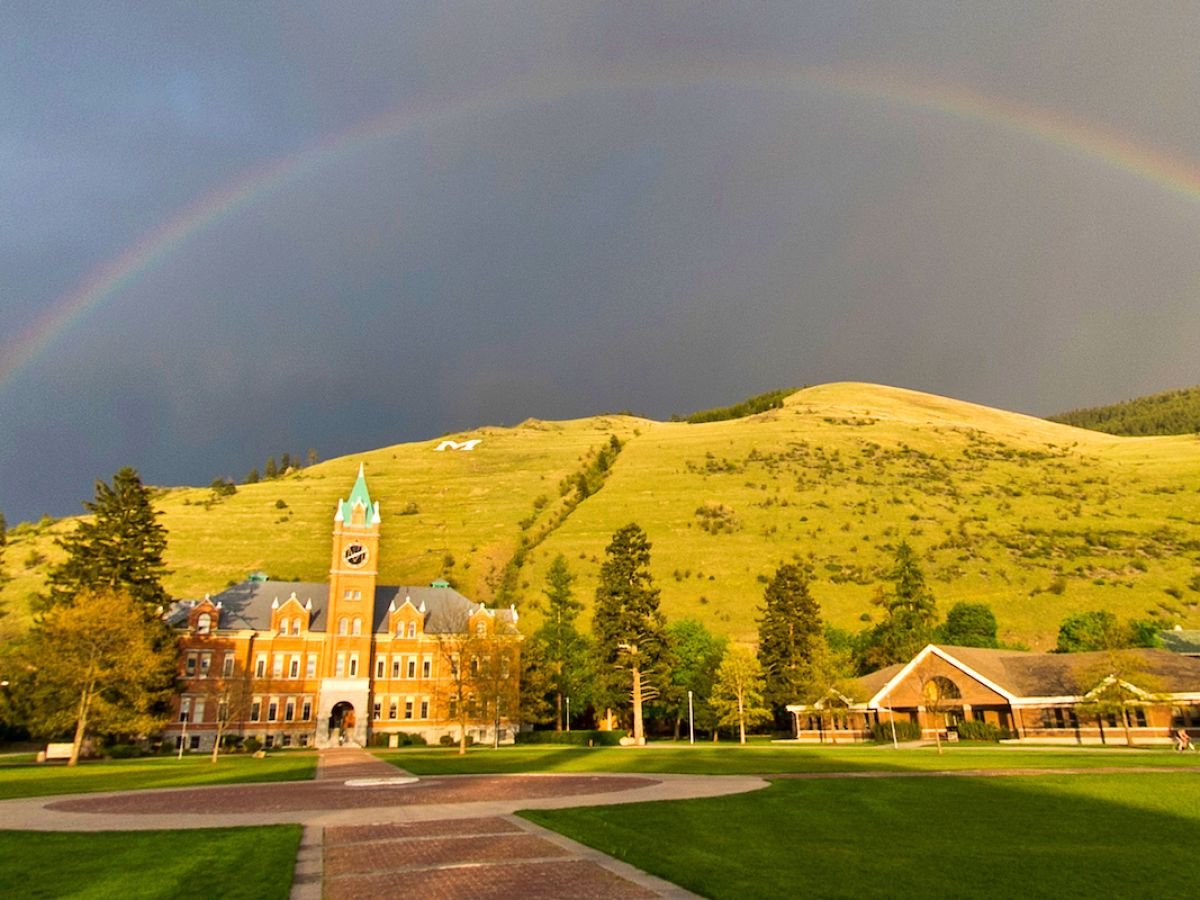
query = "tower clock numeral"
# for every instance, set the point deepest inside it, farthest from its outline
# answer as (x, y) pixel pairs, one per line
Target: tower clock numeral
(355, 554)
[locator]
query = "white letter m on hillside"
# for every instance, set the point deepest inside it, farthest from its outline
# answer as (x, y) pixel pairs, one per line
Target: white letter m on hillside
(455, 445)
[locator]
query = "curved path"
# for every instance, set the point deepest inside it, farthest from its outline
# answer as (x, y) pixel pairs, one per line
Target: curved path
(368, 827)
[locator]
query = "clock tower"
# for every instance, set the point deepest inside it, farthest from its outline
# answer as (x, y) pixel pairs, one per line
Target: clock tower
(346, 665)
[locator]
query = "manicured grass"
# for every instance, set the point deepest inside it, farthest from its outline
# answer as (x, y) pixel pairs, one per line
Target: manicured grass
(211, 862)
(730, 759)
(1045, 836)
(25, 779)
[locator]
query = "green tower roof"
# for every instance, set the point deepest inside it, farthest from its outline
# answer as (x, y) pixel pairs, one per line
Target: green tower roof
(359, 494)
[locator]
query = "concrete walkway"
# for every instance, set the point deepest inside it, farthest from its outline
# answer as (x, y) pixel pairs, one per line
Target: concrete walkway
(367, 826)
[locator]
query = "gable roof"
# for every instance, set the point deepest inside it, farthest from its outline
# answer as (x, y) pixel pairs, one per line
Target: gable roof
(1022, 675)
(1182, 641)
(247, 606)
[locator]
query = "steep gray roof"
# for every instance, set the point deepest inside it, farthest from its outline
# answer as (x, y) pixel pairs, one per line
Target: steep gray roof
(248, 605)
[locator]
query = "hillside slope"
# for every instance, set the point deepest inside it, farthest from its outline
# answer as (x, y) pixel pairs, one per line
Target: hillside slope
(1171, 412)
(1034, 517)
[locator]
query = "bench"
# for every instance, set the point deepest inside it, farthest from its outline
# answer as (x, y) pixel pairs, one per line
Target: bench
(56, 751)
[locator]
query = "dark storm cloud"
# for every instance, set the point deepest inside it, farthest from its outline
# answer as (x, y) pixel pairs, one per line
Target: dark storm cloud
(645, 244)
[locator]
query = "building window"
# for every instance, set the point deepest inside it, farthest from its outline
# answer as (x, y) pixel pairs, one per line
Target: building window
(194, 742)
(392, 710)
(412, 629)
(395, 667)
(474, 666)
(454, 707)
(380, 665)
(408, 708)
(358, 595)
(227, 666)
(185, 710)
(295, 626)
(310, 670)
(304, 740)
(426, 667)
(199, 713)
(205, 664)
(353, 665)
(346, 595)
(481, 628)
(289, 711)
(357, 629)
(424, 707)
(342, 624)
(190, 670)
(255, 710)
(287, 740)
(294, 669)
(306, 710)
(340, 666)
(260, 666)
(1138, 716)
(272, 711)
(412, 667)
(203, 623)
(377, 711)
(270, 741)
(277, 666)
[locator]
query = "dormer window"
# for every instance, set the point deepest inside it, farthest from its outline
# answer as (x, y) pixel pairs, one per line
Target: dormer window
(481, 628)
(412, 629)
(203, 623)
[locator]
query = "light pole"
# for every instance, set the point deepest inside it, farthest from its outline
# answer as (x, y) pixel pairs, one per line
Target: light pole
(183, 716)
(691, 721)
(568, 713)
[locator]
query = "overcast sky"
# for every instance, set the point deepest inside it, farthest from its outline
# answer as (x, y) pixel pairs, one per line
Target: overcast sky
(409, 218)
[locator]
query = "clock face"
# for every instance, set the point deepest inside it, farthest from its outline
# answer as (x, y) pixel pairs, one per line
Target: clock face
(355, 554)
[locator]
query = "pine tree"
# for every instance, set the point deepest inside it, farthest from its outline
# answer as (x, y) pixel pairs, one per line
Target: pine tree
(285, 463)
(563, 644)
(121, 546)
(310, 458)
(911, 614)
(269, 470)
(631, 646)
(789, 628)
(252, 478)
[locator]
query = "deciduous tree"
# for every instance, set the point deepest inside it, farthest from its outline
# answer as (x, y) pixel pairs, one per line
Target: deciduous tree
(1115, 684)
(969, 625)
(698, 654)
(98, 664)
(737, 696)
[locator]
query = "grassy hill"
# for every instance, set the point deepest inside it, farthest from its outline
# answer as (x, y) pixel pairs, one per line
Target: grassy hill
(1036, 518)
(1171, 412)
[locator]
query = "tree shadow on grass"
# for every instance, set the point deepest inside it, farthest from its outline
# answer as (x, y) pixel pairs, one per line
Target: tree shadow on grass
(1041, 836)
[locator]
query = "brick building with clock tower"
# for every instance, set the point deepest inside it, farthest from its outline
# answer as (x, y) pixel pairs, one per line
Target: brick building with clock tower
(349, 661)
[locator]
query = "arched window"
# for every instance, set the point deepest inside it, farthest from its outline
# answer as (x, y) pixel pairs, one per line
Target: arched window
(481, 628)
(412, 629)
(295, 626)
(203, 623)
(357, 629)
(941, 688)
(342, 625)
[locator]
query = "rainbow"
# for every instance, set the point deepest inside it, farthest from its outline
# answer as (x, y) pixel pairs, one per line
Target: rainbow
(1117, 151)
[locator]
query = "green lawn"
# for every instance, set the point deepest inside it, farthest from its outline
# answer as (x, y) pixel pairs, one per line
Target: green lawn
(730, 759)
(212, 862)
(1045, 836)
(24, 779)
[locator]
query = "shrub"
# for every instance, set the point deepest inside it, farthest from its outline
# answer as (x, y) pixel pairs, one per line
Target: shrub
(906, 730)
(123, 751)
(251, 745)
(449, 740)
(981, 731)
(577, 738)
(403, 739)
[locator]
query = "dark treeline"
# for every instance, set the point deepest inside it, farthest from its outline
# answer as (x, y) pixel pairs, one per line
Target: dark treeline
(749, 407)
(1171, 412)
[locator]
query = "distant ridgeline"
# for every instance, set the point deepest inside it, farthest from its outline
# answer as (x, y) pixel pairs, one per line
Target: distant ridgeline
(1171, 412)
(749, 407)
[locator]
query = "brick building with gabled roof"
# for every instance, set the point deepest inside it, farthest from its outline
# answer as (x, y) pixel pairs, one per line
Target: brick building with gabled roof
(310, 664)
(1033, 696)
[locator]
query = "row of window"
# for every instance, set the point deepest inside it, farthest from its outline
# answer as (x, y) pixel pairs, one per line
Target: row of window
(404, 666)
(198, 665)
(1059, 717)
(392, 705)
(287, 707)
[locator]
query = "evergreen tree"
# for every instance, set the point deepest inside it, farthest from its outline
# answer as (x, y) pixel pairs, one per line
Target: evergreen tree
(3, 571)
(631, 646)
(562, 644)
(121, 546)
(285, 463)
(252, 478)
(310, 458)
(969, 625)
(269, 470)
(789, 627)
(911, 613)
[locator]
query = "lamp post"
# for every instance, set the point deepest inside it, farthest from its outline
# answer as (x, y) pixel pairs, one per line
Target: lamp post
(183, 716)
(691, 721)
(568, 713)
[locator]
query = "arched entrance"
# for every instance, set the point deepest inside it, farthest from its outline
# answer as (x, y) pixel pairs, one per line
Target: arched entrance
(341, 722)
